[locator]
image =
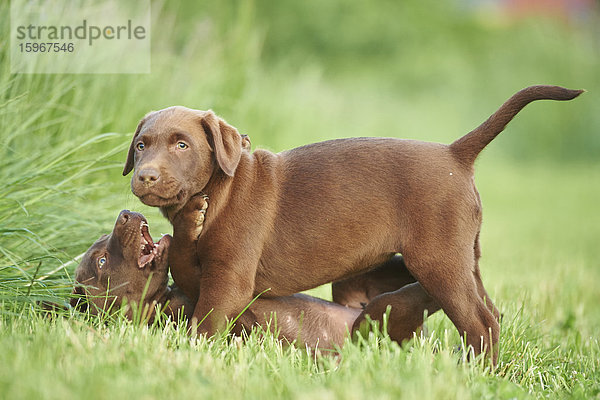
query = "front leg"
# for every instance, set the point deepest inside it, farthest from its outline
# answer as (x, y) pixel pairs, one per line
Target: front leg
(183, 258)
(227, 289)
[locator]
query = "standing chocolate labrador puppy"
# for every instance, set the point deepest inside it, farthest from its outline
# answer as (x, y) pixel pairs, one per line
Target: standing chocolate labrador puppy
(323, 212)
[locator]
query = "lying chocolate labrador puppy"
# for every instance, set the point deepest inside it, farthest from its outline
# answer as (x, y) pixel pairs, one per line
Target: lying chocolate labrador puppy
(127, 264)
(323, 212)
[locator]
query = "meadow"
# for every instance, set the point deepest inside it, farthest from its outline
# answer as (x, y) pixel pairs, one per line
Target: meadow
(290, 73)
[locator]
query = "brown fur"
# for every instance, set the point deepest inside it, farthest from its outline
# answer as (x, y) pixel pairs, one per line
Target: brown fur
(316, 319)
(120, 277)
(307, 320)
(324, 212)
(358, 290)
(409, 306)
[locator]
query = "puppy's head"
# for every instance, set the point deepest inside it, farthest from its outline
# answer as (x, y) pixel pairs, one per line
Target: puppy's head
(122, 265)
(175, 152)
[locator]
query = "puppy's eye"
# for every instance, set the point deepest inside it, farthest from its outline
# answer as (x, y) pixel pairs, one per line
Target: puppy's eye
(101, 261)
(140, 146)
(182, 145)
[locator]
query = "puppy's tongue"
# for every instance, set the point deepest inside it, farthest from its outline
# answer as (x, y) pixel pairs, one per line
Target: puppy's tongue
(146, 233)
(145, 259)
(147, 247)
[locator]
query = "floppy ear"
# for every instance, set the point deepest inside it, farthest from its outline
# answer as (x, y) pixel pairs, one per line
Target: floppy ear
(225, 140)
(129, 162)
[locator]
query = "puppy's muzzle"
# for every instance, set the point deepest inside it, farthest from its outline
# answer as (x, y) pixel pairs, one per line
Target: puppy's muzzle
(78, 299)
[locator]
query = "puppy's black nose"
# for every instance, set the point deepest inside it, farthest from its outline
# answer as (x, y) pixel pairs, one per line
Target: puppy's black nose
(148, 175)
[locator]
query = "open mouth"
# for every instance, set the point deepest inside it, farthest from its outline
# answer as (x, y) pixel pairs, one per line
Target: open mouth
(148, 249)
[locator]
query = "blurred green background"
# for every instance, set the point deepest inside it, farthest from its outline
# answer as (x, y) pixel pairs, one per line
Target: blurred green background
(289, 73)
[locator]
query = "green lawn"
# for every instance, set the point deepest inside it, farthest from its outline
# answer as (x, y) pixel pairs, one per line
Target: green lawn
(288, 76)
(540, 263)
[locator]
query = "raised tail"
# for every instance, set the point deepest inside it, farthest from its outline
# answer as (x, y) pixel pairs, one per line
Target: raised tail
(468, 147)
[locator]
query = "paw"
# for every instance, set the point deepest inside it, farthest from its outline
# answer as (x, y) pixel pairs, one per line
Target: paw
(195, 212)
(189, 222)
(198, 218)
(198, 202)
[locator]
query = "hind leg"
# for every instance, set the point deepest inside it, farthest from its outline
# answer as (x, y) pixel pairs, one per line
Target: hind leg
(408, 306)
(484, 295)
(446, 275)
(480, 288)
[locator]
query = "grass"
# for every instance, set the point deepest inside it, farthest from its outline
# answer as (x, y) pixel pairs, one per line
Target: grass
(288, 77)
(549, 345)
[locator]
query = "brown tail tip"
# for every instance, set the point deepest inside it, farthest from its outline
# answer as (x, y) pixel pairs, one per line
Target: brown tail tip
(577, 93)
(549, 92)
(469, 146)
